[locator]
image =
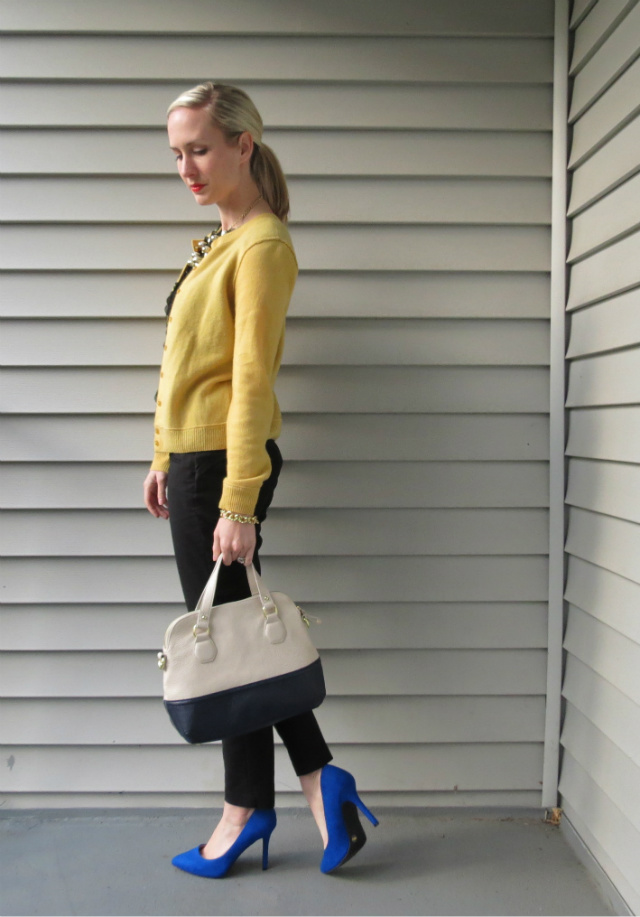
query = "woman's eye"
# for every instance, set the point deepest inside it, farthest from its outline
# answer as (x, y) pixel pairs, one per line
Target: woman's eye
(200, 152)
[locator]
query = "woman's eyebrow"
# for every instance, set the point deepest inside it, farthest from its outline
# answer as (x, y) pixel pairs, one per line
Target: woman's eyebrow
(189, 143)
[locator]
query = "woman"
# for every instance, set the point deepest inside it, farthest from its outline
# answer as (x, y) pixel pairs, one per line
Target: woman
(216, 423)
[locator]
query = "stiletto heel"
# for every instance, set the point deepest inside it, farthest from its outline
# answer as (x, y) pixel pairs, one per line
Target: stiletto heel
(341, 803)
(369, 814)
(259, 827)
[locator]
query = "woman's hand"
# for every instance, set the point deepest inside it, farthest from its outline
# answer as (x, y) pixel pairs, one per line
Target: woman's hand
(155, 494)
(234, 540)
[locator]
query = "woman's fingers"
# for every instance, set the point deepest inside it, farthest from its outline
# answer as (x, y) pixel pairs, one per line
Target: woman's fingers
(161, 481)
(155, 494)
(233, 540)
(217, 550)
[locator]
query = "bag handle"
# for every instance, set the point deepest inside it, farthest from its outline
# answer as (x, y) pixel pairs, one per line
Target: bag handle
(275, 631)
(257, 587)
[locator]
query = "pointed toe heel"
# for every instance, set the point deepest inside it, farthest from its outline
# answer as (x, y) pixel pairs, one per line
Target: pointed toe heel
(341, 803)
(259, 827)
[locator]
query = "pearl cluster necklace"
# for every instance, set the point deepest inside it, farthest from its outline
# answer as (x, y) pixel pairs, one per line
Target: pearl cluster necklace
(200, 249)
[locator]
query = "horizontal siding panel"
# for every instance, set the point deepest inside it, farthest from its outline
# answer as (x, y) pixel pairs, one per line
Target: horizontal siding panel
(604, 541)
(609, 598)
(609, 166)
(329, 436)
(146, 770)
(407, 720)
(600, 751)
(605, 433)
(604, 830)
(312, 389)
(354, 625)
(609, 271)
(618, 105)
(360, 17)
(579, 9)
(444, 625)
(526, 108)
(596, 28)
(604, 326)
(452, 248)
(606, 220)
(301, 153)
(610, 711)
(326, 294)
(613, 771)
(610, 60)
(469, 206)
(400, 200)
(319, 532)
(612, 378)
(303, 484)
(327, 579)
(614, 657)
(347, 59)
(352, 343)
(356, 672)
(605, 487)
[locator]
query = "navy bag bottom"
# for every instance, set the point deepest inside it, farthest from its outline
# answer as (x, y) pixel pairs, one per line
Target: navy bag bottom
(240, 710)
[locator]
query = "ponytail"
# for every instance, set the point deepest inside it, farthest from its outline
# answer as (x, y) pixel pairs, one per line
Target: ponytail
(267, 173)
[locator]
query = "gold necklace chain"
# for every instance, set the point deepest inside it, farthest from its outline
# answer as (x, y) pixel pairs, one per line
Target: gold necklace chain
(204, 246)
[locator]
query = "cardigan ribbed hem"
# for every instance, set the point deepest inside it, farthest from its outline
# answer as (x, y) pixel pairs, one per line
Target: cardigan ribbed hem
(192, 439)
(235, 498)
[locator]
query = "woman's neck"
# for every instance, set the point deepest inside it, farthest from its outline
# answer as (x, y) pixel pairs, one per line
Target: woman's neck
(246, 205)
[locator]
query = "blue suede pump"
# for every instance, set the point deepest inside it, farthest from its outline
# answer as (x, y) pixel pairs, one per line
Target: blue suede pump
(346, 834)
(259, 827)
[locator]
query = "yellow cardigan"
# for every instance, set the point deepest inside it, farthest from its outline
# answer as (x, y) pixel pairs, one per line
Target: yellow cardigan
(222, 352)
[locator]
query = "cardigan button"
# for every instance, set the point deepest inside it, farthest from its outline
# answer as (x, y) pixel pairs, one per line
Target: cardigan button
(156, 442)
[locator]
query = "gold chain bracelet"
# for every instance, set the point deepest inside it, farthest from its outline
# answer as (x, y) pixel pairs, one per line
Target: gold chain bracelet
(238, 517)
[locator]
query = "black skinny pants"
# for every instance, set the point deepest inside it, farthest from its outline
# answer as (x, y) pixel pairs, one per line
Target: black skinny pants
(194, 490)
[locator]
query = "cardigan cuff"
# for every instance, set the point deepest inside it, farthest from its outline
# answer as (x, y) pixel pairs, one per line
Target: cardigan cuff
(161, 461)
(238, 499)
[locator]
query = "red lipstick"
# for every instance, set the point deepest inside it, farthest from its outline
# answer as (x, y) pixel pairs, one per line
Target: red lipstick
(196, 188)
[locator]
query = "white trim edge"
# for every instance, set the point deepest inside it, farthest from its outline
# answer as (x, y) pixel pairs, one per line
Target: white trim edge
(550, 768)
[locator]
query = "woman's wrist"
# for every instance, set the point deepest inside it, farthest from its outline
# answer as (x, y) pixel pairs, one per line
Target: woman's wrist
(238, 517)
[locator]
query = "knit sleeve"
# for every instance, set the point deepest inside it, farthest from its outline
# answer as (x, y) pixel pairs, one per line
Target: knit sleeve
(263, 285)
(161, 461)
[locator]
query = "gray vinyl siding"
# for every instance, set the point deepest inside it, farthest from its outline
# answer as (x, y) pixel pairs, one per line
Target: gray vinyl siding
(412, 513)
(600, 776)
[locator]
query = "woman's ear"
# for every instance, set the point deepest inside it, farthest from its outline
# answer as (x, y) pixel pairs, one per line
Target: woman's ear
(245, 146)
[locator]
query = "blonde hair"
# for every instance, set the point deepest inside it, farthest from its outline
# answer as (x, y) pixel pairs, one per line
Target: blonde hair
(233, 112)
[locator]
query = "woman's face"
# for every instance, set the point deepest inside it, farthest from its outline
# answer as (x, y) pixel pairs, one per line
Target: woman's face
(208, 164)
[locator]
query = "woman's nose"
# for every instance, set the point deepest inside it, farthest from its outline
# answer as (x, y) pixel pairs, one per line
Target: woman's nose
(186, 167)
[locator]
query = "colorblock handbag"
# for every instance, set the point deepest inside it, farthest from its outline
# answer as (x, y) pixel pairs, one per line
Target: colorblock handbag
(234, 668)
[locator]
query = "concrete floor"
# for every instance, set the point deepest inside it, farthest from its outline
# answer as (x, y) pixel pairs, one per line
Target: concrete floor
(417, 862)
